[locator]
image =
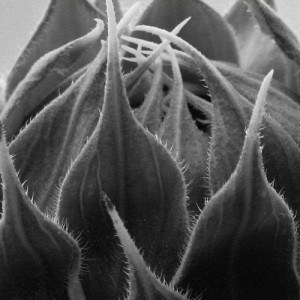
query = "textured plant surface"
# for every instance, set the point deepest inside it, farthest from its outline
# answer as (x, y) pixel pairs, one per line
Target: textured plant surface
(152, 155)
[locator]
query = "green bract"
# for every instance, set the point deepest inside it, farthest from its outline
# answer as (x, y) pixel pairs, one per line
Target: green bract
(152, 155)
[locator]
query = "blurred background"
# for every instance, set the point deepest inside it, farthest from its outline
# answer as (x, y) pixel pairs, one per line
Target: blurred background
(19, 18)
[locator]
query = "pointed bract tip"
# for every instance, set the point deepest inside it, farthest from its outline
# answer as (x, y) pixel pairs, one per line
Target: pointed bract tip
(111, 16)
(108, 204)
(181, 25)
(112, 31)
(258, 110)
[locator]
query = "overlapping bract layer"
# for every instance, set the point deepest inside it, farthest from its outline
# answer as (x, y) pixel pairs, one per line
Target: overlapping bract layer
(194, 191)
(38, 259)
